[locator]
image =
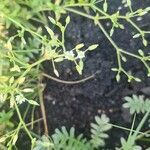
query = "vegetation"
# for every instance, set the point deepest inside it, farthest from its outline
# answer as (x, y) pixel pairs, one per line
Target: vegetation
(62, 139)
(28, 38)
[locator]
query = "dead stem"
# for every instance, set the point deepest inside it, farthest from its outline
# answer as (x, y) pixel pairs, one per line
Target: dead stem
(70, 82)
(40, 91)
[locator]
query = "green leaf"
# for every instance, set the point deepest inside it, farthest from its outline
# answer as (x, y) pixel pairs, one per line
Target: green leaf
(51, 33)
(5, 118)
(136, 35)
(118, 77)
(79, 67)
(114, 69)
(15, 138)
(52, 20)
(56, 72)
(111, 31)
(28, 90)
(121, 26)
(3, 139)
(141, 52)
(43, 143)
(145, 43)
(93, 47)
(60, 59)
(64, 139)
(15, 68)
(129, 3)
(32, 102)
(105, 6)
(98, 131)
(137, 104)
(137, 79)
(62, 28)
(67, 20)
(79, 46)
(124, 58)
(21, 80)
(11, 80)
(81, 64)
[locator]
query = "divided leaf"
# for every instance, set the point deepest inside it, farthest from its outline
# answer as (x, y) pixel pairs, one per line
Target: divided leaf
(64, 140)
(137, 104)
(99, 129)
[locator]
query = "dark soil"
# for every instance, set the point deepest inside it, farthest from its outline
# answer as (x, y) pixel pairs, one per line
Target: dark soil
(76, 105)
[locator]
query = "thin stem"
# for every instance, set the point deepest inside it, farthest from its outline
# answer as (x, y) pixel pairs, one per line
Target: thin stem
(32, 117)
(69, 82)
(135, 26)
(132, 127)
(128, 129)
(112, 42)
(78, 5)
(141, 124)
(40, 92)
(101, 11)
(80, 13)
(130, 54)
(27, 70)
(21, 120)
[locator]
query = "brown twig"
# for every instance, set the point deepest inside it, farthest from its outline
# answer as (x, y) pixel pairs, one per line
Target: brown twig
(69, 82)
(40, 91)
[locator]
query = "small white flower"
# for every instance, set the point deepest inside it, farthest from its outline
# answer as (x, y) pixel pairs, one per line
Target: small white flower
(69, 55)
(81, 55)
(20, 99)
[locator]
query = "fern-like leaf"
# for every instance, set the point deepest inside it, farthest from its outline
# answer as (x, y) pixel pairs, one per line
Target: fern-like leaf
(64, 140)
(98, 131)
(137, 104)
(43, 144)
(130, 144)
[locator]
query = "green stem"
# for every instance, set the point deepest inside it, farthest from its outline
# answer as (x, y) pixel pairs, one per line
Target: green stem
(141, 124)
(27, 70)
(26, 29)
(113, 44)
(80, 13)
(101, 11)
(22, 122)
(132, 127)
(128, 129)
(79, 5)
(135, 26)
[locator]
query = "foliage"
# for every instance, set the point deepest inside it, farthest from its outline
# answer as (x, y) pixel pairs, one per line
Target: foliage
(137, 104)
(5, 122)
(32, 32)
(43, 144)
(64, 140)
(98, 130)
